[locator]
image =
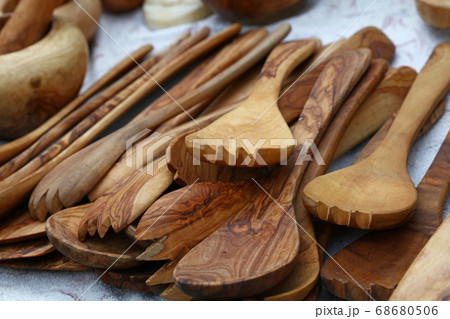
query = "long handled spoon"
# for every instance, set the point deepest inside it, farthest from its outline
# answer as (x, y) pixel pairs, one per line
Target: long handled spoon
(26, 249)
(265, 224)
(384, 257)
(378, 193)
(52, 261)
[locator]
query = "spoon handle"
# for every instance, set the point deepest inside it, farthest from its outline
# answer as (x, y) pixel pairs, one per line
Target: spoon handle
(430, 86)
(280, 63)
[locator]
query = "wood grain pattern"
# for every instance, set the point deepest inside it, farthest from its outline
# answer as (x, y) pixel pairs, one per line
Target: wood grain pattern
(435, 12)
(69, 187)
(298, 284)
(173, 293)
(389, 96)
(38, 92)
(28, 24)
(378, 193)
(54, 261)
(382, 258)
(428, 277)
(214, 268)
(164, 275)
(20, 227)
(258, 117)
(113, 250)
(26, 249)
(133, 279)
(9, 150)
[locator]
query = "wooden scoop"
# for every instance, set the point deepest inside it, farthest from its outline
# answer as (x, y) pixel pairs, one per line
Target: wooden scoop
(115, 250)
(428, 277)
(258, 117)
(26, 249)
(64, 188)
(378, 193)
(28, 24)
(264, 230)
(384, 257)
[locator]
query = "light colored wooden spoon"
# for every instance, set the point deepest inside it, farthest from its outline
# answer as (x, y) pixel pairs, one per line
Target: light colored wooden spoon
(428, 277)
(214, 268)
(115, 250)
(378, 193)
(258, 117)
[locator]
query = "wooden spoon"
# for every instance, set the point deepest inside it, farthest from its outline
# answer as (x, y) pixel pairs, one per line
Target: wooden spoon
(52, 261)
(26, 249)
(435, 12)
(258, 117)
(11, 149)
(173, 293)
(28, 24)
(428, 277)
(301, 280)
(384, 257)
(214, 268)
(20, 227)
(378, 193)
(115, 251)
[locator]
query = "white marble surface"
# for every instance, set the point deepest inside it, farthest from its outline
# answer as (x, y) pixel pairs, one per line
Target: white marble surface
(325, 19)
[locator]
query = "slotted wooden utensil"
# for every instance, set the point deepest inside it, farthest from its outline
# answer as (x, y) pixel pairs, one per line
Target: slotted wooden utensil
(384, 257)
(266, 222)
(378, 193)
(257, 118)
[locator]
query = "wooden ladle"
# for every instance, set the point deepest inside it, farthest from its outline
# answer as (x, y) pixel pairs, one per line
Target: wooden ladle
(378, 193)
(256, 248)
(258, 118)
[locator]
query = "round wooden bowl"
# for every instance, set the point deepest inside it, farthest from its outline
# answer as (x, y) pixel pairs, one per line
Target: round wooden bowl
(121, 5)
(37, 81)
(435, 12)
(254, 11)
(72, 12)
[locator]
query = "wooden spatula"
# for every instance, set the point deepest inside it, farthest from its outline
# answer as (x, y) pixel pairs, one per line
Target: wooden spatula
(115, 251)
(264, 230)
(20, 227)
(26, 249)
(52, 261)
(258, 118)
(428, 277)
(307, 265)
(378, 193)
(384, 257)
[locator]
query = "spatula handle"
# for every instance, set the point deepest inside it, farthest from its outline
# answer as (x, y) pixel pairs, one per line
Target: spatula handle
(280, 63)
(430, 86)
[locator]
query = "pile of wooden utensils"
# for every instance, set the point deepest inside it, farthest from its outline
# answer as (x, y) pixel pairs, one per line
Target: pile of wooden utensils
(237, 226)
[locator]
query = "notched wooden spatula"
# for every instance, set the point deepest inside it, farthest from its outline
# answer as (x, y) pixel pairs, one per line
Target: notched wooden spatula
(257, 121)
(378, 193)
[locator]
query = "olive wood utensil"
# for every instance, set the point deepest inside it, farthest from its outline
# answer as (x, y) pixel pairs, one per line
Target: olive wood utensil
(384, 257)
(52, 261)
(115, 250)
(378, 193)
(389, 95)
(302, 279)
(261, 224)
(28, 24)
(20, 227)
(26, 249)
(435, 12)
(133, 279)
(11, 195)
(86, 166)
(173, 293)
(428, 277)
(257, 117)
(8, 150)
